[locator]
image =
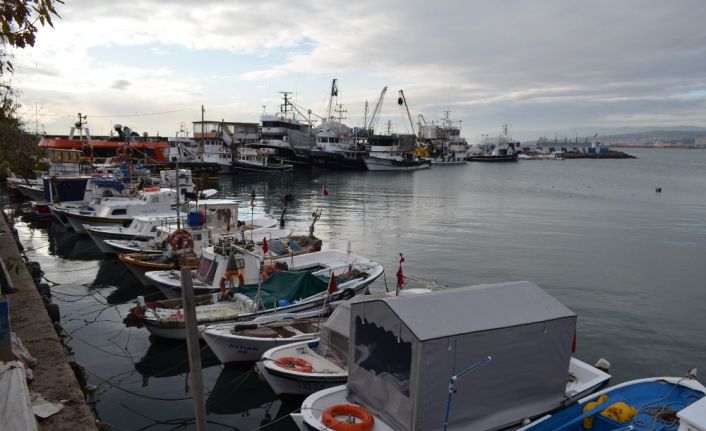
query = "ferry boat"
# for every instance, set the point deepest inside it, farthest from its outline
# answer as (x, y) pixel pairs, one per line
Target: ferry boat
(128, 145)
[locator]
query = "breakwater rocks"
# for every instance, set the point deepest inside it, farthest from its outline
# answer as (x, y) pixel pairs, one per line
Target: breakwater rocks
(610, 154)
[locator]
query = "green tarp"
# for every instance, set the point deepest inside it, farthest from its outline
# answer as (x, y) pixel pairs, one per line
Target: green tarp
(285, 285)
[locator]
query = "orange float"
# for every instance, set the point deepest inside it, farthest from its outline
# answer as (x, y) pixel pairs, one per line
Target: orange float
(331, 418)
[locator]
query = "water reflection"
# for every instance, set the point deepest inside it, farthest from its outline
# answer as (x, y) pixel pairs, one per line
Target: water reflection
(169, 359)
(227, 398)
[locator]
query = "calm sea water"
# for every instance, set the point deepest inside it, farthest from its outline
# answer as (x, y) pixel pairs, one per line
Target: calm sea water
(593, 233)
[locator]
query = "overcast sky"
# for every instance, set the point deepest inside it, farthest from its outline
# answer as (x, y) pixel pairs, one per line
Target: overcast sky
(541, 66)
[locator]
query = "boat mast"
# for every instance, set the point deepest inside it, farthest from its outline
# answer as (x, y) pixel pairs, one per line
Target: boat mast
(334, 93)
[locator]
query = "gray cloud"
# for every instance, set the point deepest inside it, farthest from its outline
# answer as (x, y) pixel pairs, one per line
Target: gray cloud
(539, 65)
(120, 84)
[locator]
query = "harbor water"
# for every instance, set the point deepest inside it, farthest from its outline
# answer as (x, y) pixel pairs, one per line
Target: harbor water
(596, 234)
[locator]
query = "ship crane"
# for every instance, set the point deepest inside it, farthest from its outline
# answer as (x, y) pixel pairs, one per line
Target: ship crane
(402, 101)
(376, 111)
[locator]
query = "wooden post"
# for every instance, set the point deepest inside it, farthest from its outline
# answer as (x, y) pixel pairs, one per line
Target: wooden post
(193, 347)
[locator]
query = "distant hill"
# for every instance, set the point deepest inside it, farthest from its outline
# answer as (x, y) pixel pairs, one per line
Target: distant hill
(627, 135)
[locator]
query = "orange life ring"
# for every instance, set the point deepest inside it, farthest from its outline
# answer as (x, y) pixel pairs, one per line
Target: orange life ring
(231, 275)
(181, 239)
(294, 363)
(365, 420)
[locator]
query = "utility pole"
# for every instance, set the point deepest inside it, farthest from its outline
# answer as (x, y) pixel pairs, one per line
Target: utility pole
(193, 348)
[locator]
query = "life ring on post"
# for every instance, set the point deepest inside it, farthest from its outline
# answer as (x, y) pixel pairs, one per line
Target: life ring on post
(181, 239)
(231, 275)
(332, 418)
(294, 363)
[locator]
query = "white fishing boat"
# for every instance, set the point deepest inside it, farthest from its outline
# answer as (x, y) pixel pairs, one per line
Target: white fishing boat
(444, 143)
(290, 133)
(247, 341)
(102, 211)
(294, 283)
(142, 228)
(251, 160)
(337, 146)
(141, 258)
(500, 149)
(393, 153)
(500, 355)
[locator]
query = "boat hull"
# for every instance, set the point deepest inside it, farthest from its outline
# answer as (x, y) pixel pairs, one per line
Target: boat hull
(383, 164)
(292, 384)
(493, 159)
(329, 160)
(231, 350)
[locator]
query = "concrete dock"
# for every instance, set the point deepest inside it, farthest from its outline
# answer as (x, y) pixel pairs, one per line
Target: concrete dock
(54, 378)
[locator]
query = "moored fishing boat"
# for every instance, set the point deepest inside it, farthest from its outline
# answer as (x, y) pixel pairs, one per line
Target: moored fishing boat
(513, 338)
(301, 286)
(247, 341)
(502, 149)
(250, 160)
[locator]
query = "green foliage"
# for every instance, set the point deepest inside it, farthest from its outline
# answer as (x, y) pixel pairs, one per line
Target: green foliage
(18, 148)
(18, 19)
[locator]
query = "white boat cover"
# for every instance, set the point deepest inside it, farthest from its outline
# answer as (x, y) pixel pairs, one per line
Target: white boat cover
(404, 350)
(15, 406)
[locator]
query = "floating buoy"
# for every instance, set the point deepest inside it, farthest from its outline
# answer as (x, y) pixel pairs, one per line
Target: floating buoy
(658, 189)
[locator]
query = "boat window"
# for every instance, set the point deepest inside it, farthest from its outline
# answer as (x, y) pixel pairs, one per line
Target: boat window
(235, 263)
(382, 353)
(154, 229)
(119, 211)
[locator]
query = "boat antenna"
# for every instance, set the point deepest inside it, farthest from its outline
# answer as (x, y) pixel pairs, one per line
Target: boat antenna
(334, 93)
(454, 377)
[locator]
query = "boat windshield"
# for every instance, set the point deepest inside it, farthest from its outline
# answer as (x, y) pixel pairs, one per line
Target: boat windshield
(207, 270)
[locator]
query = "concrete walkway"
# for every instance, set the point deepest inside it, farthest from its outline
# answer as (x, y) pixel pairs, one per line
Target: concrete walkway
(53, 376)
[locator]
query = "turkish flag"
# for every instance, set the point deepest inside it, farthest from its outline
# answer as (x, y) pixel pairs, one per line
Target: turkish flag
(325, 190)
(332, 287)
(265, 246)
(400, 277)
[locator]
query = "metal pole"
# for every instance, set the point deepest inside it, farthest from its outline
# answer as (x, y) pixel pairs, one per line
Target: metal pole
(193, 348)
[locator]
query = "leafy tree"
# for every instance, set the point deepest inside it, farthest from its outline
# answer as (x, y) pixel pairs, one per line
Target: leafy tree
(18, 28)
(18, 19)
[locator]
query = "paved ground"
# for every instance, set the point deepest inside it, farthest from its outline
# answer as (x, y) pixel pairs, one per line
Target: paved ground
(53, 376)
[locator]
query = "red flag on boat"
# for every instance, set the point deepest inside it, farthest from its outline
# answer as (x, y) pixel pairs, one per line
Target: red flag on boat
(265, 246)
(400, 274)
(332, 287)
(325, 190)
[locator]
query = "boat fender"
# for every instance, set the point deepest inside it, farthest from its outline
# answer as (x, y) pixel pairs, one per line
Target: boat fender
(294, 363)
(334, 418)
